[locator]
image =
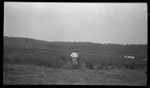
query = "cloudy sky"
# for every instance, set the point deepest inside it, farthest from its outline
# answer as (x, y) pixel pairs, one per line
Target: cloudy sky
(124, 23)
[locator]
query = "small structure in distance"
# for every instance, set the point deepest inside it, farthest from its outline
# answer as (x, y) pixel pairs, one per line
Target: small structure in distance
(130, 57)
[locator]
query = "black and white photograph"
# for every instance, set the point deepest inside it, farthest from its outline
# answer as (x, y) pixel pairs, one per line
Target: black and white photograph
(74, 43)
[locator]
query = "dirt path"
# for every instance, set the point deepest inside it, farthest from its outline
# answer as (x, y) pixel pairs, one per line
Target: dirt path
(31, 74)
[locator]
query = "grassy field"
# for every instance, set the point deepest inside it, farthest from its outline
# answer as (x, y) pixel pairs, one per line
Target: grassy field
(29, 61)
(40, 75)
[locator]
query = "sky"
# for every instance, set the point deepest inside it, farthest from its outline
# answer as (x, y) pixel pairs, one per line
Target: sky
(123, 23)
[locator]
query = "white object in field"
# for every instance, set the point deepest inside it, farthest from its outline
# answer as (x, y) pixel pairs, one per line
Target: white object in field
(74, 55)
(131, 57)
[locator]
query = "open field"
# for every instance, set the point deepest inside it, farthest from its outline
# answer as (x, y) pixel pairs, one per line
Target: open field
(29, 61)
(40, 75)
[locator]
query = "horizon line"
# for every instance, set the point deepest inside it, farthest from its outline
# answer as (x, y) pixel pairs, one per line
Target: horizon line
(75, 41)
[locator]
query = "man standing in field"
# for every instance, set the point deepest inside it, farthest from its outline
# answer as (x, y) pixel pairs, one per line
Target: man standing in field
(74, 57)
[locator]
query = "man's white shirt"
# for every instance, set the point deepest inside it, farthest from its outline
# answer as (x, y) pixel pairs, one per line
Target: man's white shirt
(74, 55)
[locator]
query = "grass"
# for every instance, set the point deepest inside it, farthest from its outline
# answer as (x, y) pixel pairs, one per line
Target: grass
(60, 59)
(16, 74)
(56, 55)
